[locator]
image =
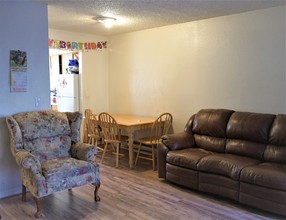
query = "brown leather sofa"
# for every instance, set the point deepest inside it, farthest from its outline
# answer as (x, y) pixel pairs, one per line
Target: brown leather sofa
(237, 155)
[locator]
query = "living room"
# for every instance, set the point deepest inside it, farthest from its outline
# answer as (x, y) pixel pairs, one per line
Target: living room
(235, 62)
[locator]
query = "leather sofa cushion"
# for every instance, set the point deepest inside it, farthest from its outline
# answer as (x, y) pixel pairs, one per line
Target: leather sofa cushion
(209, 129)
(225, 164)
(187, 158)
(272, 175)
(276, 150)
(245, 148)
(250, 126)
(211, 122)
(277, 134)
(210, 143)
(247, 133)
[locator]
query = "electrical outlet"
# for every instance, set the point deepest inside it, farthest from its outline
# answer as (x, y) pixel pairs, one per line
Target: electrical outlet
(37, 101)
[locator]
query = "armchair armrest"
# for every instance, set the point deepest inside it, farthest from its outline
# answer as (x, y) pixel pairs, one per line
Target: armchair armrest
(28, 161)
(84, 151)
(178, 141)
(16, 141)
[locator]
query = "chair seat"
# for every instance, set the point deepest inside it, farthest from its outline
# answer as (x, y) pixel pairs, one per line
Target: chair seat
(120, 139)
(147, 141)
(65, 167)
(65, 173)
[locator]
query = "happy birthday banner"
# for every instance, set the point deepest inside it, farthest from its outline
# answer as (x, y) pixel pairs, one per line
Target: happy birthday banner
(77, 46)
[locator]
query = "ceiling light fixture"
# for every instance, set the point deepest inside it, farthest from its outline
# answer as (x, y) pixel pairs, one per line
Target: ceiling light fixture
(107, 21)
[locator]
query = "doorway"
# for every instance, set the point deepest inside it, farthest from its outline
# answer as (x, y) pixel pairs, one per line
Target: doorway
(65, 77)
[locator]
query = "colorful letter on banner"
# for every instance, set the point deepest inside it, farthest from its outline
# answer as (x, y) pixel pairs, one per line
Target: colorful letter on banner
(76, 46)
(69, 46)
(93, 46)
(51, 43)
(104, 44)
(62, 44)
(80, 46)
(99, 45)
(87, 46)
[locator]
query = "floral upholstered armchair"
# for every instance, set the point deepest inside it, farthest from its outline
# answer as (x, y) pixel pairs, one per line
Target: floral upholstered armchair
(46, 147)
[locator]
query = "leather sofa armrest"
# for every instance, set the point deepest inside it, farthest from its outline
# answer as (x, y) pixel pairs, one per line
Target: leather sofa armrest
(178, 141)
(84, 151)
(162, 151)
(28, 161)
(168, 143)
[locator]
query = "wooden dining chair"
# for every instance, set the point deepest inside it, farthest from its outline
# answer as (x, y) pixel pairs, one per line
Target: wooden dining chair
(160, 127)
(111, 135)
(92, 129)
(87, 113)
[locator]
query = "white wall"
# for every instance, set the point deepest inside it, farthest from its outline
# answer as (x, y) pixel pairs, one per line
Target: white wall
(94, 78)
(235, 62)
(24, 26)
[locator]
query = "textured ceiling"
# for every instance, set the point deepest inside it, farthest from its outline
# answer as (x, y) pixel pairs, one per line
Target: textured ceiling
(134, 15)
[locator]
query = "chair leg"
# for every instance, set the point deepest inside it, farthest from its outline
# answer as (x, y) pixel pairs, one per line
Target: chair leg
(104, 151)
(39, 213)
(89, 140)
(96, 196)
(153, 157)
(23, 193)
(117, 154)
(138, 152)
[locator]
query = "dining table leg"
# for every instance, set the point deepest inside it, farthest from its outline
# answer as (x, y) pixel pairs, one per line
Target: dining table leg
(130, 147)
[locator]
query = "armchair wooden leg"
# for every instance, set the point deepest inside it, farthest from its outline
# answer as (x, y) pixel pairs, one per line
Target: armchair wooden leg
(96, 196)
(23, 193)
(39, 213)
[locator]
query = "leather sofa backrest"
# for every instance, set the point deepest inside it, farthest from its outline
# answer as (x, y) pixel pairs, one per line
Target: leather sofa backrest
(276, 148)
(247, 133)
(257, 135)
(209, 129)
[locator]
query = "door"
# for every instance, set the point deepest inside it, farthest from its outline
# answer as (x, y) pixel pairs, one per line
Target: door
(64, 84)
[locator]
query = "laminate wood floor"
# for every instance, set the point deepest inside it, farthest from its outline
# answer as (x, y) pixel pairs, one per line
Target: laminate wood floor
(131, 194)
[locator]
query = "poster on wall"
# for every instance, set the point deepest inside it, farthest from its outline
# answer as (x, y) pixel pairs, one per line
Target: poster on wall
(18, 71)
(18, 81)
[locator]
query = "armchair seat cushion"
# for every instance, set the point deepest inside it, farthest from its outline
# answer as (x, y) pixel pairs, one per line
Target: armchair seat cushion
(68, 172)
(271, 175)
(187, 158)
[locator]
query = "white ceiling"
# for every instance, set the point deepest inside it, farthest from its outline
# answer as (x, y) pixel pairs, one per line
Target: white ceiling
(134, 15)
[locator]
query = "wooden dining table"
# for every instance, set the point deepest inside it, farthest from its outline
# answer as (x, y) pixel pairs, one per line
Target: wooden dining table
(130, 124)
